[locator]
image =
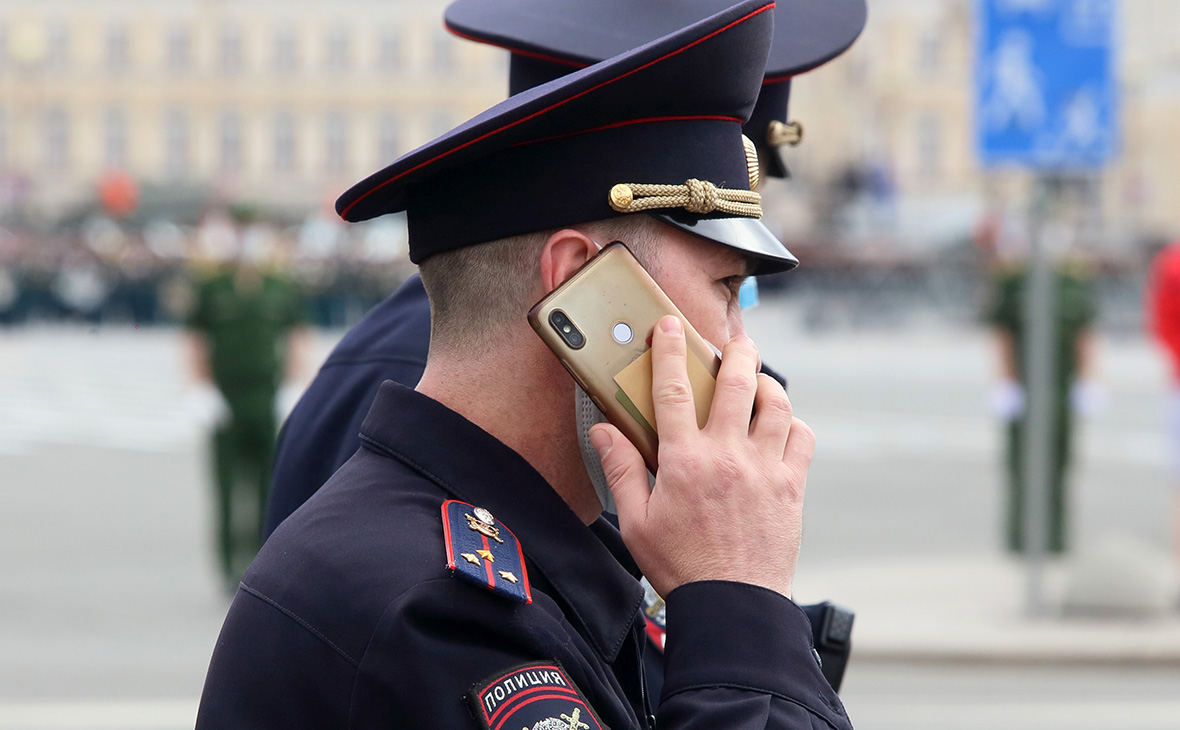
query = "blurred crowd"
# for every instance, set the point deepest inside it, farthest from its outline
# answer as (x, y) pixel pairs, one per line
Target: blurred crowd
(100, 270)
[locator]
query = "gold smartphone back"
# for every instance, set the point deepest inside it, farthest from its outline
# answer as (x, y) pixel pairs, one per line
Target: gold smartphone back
(599, 325)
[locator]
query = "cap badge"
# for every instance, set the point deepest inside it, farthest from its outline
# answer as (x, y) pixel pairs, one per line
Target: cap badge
(752, 162)
(779, 133)
(695, 196)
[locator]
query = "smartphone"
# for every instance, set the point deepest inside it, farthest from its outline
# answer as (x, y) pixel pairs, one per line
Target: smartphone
(599, 325)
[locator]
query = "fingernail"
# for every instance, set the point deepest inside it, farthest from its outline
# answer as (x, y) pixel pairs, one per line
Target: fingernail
(671, 325)
(601, 441)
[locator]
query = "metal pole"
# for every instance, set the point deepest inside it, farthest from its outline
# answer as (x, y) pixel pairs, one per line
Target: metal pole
(1039, 351)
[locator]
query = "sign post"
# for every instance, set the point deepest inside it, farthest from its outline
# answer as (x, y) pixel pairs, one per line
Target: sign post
(1045, 101)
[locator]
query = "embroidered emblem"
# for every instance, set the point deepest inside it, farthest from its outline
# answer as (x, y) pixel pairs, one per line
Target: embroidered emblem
(532, 697)
(471, 551)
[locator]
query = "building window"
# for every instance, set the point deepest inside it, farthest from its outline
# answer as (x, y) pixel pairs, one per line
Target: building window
(231, 142)
(284, 140)
(58, 51)
(117, 42)
(230, 49)
(442, 54)
(114, 134)
(388, 144)
(179, 52)
(337, 50)
(389, 50)
(929, 145)
(55, 126)
(336, 142)
(286, 59)
(176, 142)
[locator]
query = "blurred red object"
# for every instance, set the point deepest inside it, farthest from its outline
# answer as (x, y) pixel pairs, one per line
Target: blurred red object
(1163, 301)
(119, 193)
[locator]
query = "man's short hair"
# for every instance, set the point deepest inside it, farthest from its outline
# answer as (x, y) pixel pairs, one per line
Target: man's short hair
(477, 291)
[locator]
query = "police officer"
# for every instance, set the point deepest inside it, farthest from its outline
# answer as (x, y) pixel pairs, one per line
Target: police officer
(244, 318)
(455, 572)
(391, 343)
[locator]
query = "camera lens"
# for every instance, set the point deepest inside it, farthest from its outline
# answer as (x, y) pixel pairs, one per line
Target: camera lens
(564, 327)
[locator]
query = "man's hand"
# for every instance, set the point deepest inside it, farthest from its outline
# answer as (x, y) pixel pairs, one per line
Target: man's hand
(728, 499)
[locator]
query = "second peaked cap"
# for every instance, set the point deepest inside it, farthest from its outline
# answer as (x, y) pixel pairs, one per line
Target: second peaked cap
(550, 38)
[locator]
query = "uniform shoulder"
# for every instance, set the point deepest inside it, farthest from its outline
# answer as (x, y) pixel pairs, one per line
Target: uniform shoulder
(374, 532)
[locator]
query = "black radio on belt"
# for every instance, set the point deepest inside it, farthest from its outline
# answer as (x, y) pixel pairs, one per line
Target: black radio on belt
(831, 633)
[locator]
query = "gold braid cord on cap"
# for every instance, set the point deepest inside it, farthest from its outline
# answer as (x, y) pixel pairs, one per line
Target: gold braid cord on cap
(695, 196)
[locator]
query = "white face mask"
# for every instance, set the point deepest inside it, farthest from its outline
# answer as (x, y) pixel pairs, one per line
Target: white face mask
(587, 414)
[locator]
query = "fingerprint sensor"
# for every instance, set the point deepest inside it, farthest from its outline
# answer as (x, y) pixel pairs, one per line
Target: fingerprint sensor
(622, 333)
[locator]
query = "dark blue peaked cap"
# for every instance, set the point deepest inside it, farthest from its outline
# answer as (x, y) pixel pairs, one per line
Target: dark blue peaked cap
(658, 128)
(550, 38)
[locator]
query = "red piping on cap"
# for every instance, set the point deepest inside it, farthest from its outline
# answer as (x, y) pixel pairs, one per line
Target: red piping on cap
(777, 79)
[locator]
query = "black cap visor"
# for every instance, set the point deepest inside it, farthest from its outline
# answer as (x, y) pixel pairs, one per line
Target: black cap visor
(750, 236)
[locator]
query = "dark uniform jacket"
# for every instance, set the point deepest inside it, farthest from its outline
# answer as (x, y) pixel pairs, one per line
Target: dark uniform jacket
(350, 617)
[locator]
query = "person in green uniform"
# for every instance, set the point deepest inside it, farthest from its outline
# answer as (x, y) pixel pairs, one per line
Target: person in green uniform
(245, 327)
(1072, 389)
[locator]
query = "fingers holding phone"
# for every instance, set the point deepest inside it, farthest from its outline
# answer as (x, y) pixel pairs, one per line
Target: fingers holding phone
(727, 503)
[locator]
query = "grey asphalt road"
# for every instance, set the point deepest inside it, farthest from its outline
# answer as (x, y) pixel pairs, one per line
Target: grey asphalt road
(109, 607)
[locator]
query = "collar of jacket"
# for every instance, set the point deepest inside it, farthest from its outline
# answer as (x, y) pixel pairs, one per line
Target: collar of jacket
(475, 467)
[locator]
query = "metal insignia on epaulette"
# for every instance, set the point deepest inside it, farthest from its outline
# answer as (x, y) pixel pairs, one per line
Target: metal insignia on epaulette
(471, 552)
(483, 523)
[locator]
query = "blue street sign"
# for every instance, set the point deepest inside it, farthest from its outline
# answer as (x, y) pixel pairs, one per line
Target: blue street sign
(1045, 90)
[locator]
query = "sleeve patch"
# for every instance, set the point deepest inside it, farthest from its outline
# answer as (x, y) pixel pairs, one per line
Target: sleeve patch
(532, 697)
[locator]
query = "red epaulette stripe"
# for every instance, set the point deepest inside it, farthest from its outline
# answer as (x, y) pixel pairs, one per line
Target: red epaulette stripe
(446, 520)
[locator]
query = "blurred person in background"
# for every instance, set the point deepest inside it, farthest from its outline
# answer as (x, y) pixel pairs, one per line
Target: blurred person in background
(1163, 316)
(9, 277)
(246, 337)
(1074, 390)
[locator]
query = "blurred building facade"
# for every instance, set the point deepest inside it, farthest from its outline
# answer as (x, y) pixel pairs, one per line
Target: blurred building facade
(282, 102)
(287, 102)
(899, 107)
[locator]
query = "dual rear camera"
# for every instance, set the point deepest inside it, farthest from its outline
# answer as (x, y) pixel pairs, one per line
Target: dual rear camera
(564, 327)
(620, 332)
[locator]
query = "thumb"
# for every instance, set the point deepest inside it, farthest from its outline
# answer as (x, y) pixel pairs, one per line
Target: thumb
(623, 466)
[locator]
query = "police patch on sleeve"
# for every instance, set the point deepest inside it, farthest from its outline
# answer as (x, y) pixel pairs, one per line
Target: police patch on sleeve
(532, 697)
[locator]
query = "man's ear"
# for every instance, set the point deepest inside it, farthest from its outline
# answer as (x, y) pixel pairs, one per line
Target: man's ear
(563, 254)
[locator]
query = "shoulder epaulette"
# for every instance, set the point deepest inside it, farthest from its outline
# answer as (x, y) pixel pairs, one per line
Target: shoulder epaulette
(482, 551)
